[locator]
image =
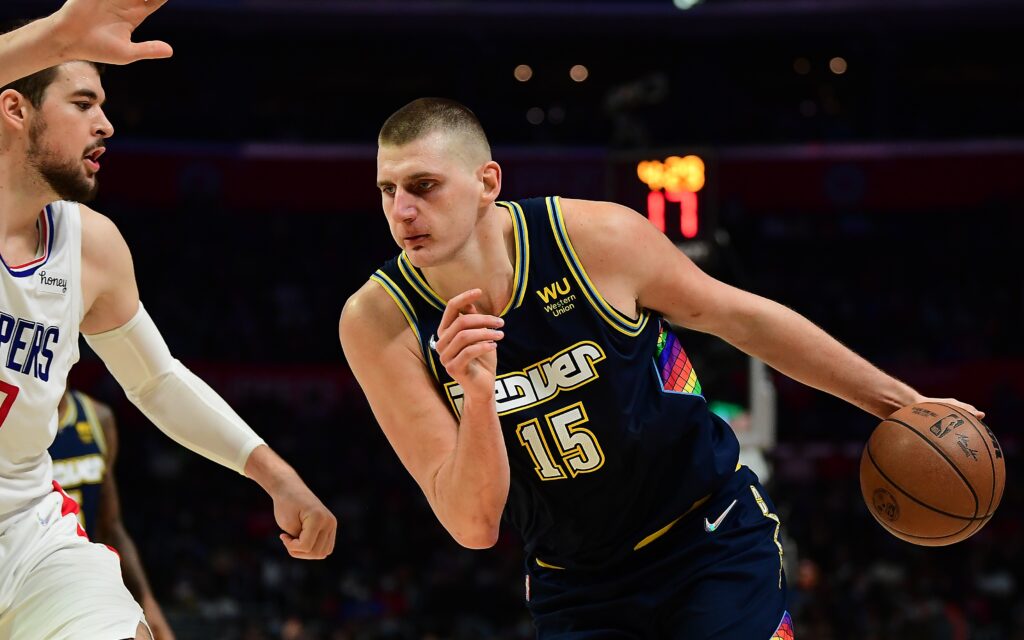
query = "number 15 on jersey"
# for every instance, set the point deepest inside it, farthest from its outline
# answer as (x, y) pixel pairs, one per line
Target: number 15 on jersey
(578, 449)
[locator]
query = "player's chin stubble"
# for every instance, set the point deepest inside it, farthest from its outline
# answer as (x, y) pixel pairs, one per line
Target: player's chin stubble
(65, 177)
(67, 181)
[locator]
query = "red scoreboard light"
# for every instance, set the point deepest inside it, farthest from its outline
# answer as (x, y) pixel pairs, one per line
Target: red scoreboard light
(675, 180)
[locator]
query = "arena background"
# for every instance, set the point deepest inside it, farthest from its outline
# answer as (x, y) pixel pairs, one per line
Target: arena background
(879, 194)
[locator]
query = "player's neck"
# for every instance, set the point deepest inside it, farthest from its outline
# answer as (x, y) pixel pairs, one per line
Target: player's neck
(23, 194)
(486, 262)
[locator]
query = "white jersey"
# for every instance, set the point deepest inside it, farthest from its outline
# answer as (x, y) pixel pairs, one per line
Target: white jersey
(41, 307)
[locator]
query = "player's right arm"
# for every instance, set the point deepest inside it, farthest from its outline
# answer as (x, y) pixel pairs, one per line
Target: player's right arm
(636, 267)
(461, 466)
(177, 401)
(96, 30)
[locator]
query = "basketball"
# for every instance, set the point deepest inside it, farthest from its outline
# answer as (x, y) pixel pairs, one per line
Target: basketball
(932, 474)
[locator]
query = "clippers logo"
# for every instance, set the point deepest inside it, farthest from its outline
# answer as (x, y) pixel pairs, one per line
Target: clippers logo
(559, 292)
(540, 382)
(947, 424)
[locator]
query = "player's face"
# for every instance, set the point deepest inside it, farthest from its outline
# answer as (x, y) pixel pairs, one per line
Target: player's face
(67, 133)
(431, 193)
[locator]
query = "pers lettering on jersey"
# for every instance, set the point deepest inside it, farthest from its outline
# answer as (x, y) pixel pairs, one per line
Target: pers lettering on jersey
(26, 347)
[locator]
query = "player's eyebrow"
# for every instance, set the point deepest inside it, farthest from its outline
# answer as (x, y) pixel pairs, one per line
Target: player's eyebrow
(87, 93)
(419, 175)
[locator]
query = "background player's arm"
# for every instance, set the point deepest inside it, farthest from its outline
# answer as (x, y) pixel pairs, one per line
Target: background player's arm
(110, 530)
(175, 400)
(462, 467)
(636, 266)
(96, 30)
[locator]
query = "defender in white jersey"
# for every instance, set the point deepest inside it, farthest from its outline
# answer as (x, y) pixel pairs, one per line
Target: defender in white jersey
(65, 270)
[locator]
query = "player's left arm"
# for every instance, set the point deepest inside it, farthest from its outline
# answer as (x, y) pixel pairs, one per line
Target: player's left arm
(181, 405)
(635, 266)
(110, 530)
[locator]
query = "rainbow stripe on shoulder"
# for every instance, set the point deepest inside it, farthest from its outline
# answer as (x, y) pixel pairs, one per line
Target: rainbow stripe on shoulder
(674, 366)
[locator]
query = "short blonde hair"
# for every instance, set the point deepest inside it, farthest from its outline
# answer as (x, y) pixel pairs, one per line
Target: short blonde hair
(427, 115)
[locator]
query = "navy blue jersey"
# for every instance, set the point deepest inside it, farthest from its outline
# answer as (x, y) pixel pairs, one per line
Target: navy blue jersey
(78, 452)
(608, 436)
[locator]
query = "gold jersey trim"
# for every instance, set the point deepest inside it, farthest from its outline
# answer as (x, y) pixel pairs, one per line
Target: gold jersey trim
(615, 318)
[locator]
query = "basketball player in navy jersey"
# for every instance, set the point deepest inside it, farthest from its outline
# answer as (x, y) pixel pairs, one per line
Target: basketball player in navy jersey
(516, 356)
(96, 30)
(84, 453)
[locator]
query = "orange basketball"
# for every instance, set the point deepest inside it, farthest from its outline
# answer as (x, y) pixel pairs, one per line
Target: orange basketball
(932, 474)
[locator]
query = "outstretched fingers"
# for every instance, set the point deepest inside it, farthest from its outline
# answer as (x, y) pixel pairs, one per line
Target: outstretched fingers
(149, 50)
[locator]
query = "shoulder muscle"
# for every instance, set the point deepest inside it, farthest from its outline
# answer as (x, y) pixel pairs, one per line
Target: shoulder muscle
(108, 275)
(626, 254)
(385, 358)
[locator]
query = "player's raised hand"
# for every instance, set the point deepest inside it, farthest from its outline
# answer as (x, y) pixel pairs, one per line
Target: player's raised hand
(309, 528)
(101, 31)
(467, 343)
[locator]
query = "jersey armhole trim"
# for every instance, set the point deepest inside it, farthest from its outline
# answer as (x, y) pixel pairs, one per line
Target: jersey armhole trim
(615, 318)
(522, 264)
(416, 280)
(405, 307)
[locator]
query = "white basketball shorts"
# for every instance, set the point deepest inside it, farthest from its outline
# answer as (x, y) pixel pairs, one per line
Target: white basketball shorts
(55, 584)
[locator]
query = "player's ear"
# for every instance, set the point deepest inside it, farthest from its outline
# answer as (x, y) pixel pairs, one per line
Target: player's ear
(491, 179)
(13, 110)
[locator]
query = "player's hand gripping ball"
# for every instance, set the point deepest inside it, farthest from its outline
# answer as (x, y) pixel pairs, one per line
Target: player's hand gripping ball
(932, 474)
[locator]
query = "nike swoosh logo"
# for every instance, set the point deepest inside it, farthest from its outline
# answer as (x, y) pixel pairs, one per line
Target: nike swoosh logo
(711, 527)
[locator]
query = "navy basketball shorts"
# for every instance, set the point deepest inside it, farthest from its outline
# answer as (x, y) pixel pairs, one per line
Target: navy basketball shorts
(717, 574)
